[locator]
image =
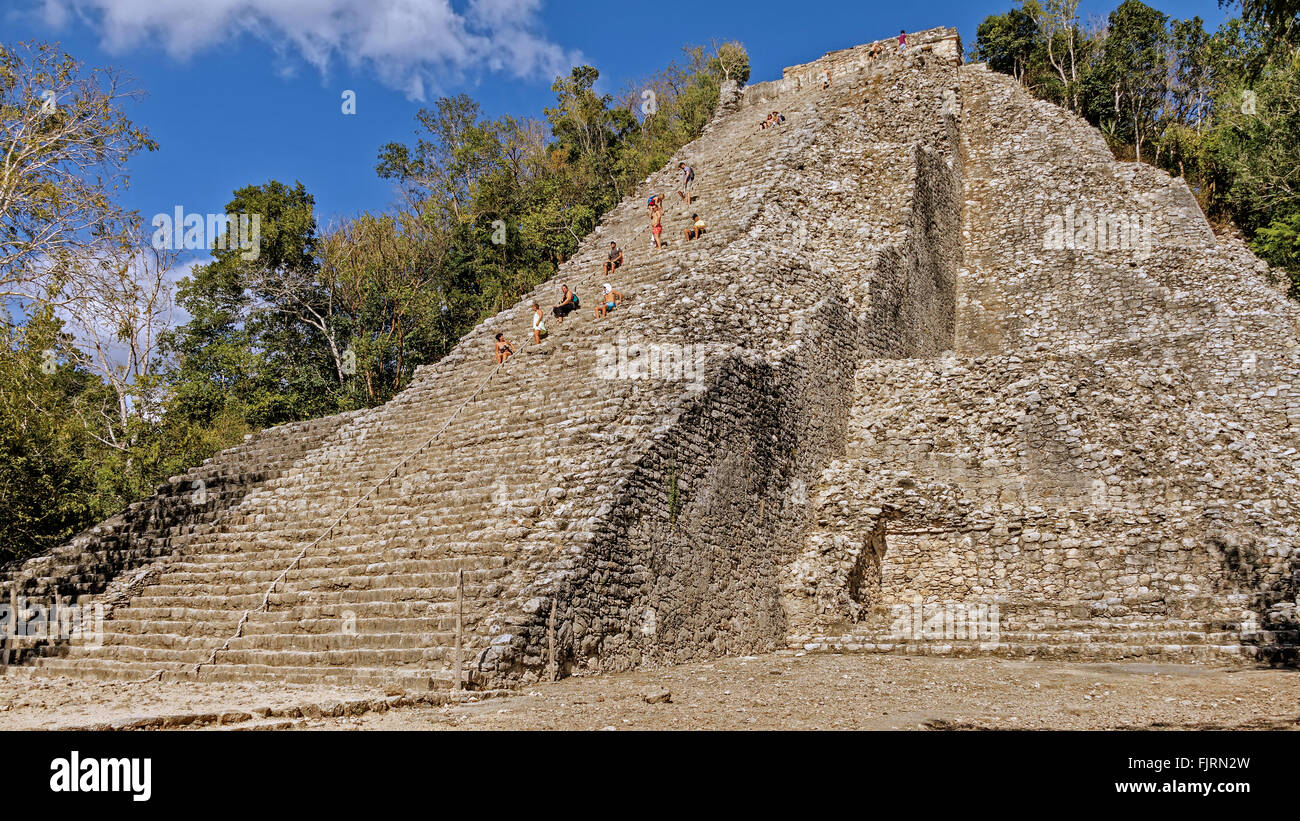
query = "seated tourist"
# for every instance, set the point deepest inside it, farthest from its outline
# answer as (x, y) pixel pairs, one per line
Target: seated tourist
(611, 300)
(615, 258)
(504, 350)
(568, 304)
(696, 229)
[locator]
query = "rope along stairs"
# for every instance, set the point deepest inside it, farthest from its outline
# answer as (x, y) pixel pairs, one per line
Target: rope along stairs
(266, 598)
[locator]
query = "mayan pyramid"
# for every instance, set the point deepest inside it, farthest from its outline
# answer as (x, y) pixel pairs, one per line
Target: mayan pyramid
(938, 354)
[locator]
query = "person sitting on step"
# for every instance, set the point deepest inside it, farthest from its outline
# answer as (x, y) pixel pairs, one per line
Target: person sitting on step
(539, 324)
(825, 79)
(504, 350)
(615, 258)
(568, 304)
(696, 229)
(611, 300)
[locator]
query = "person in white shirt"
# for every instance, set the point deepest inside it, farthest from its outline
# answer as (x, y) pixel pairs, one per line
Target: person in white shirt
(539, 324)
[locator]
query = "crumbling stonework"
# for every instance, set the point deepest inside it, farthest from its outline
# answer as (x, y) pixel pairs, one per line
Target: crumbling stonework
(1108, 453)
(900, 369)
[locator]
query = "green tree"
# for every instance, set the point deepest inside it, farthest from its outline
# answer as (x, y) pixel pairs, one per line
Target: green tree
(1132, 68)
(1279, 244)
(1253, 147)
(261, 344)
(64, 144)
(1281, 17)
(1011, 43)
(52, 480)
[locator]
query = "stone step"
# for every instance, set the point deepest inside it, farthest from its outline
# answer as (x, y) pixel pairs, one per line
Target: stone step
(268, 651)
(1075, 651)
(121, 631)
(256, 582)
(368, 609)
(388, 561)
(290, 596)
(407, 678)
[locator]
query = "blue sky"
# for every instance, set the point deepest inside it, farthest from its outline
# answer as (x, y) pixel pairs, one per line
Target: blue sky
(243, 91)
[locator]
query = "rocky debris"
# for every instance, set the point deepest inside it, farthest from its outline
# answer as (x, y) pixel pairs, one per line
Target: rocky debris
(657, 695)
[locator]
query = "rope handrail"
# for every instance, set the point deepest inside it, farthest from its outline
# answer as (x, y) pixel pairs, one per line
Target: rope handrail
(266, 598)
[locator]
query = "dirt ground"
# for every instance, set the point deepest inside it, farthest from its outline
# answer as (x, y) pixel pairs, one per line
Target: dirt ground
(872, 692)
(780, 691)
(64, 703)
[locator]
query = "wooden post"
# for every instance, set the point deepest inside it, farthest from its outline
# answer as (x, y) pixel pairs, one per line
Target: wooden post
(460, 603)
(550, 644)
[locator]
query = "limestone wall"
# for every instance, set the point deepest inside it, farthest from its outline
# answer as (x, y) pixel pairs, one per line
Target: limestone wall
(1112, 440)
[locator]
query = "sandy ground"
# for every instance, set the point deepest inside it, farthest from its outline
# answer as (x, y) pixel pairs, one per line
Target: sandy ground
(864, 692)
(781, 691)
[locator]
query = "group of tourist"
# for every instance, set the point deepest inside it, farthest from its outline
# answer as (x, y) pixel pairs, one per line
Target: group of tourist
(610, 298)
(655, 205)
(568, 303)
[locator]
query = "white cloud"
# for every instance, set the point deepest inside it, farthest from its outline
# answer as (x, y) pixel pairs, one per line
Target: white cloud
(412, 45)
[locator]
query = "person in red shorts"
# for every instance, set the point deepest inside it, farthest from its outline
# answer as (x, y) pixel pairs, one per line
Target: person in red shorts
(657, 221)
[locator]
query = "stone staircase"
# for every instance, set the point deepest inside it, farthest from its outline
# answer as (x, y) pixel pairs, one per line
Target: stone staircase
(1170, 640)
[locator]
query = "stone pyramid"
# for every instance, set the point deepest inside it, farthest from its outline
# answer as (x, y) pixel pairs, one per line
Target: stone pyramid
(941, 376)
